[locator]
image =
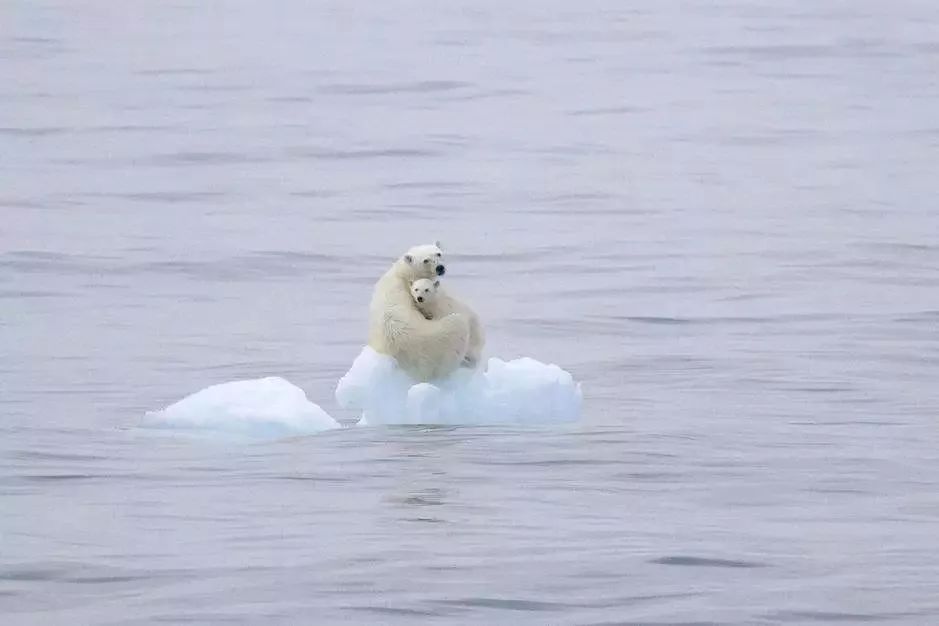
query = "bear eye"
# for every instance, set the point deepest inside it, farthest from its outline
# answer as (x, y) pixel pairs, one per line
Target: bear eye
(426, 260)
(438, 254)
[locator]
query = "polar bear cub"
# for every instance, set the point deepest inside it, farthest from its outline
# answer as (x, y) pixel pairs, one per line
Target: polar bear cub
(434, 303)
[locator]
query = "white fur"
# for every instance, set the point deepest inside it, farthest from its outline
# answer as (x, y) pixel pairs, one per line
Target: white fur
(425, 349)
(435, 303)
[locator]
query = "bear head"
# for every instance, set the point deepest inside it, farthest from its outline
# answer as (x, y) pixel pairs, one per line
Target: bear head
(423, 290)
(425, 261)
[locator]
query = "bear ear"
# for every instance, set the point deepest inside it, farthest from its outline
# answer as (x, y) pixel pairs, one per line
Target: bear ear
(436, 283)
(408, 259)
(437, 243)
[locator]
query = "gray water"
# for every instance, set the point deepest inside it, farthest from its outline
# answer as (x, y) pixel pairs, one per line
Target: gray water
(720, 217)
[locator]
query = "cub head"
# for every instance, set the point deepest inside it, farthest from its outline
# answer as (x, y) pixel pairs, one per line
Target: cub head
(425, 261)
(424, 290)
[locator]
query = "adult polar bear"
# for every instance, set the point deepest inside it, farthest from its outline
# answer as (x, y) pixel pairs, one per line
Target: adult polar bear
(425, 349)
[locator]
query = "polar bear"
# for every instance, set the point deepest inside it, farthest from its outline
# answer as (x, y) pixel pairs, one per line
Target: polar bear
(435, 304)
(425, 349)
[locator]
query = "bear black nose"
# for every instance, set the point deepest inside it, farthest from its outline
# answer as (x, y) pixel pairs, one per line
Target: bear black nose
(420, 298)
(441, 270)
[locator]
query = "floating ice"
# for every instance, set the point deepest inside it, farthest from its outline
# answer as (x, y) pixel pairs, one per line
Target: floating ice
(522, 391)
(256, 409)
(519, 392)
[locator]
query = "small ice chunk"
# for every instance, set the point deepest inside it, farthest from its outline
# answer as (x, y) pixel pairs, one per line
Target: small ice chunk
(424, 404)
(261, 408)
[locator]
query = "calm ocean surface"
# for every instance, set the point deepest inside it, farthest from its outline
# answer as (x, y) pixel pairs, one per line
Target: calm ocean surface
(720, 217)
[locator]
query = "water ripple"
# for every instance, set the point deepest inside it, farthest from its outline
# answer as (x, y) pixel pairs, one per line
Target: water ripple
(694, 561)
